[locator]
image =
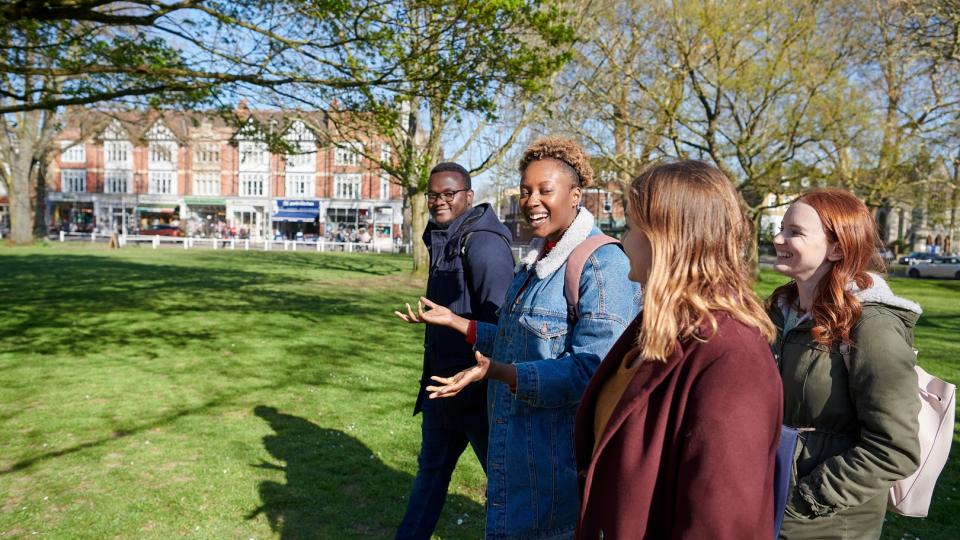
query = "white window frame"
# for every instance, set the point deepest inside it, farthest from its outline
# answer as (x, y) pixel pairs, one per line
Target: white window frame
(300, 184)
(161, 182)
(253, 184)
(347, 185)
(73, 180)
(206, 183)
(305, 160)
(118, 154)
(73, 152)
(117, 181)
(384, 187)
(206, 153)
(253, 156)
(162, 155)
(304, 142)
(351, 154)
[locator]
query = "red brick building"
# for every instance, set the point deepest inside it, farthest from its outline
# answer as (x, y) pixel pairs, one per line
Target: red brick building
(128, 172)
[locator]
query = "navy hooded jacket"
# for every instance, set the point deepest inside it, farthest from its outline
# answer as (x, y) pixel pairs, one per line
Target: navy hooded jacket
(471, 265)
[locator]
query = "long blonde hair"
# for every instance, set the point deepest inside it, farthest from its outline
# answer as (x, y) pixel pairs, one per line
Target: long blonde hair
(699, 237)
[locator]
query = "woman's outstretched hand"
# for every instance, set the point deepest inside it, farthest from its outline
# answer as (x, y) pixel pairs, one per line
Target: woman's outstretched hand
(452, 386)
(433, 314)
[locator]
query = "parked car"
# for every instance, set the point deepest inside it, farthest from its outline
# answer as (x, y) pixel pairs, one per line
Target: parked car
(915, 257)
(946, 267)
(162, 230)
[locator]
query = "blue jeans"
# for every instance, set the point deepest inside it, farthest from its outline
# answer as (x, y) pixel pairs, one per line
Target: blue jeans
(444, 438)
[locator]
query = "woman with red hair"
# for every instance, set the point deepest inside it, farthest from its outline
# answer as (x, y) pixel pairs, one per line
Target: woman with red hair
(844, 350)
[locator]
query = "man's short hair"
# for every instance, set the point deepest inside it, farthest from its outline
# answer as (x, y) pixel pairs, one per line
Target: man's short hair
(449, 166)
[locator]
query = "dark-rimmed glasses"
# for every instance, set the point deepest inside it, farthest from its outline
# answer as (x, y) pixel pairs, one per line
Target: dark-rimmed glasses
(447, 195)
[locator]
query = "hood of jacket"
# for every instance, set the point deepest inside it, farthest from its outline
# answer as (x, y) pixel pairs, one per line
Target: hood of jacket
(578, 231)
(479, 218)
(880, 295)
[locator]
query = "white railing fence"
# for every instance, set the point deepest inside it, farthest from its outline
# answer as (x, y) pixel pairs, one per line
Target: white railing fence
(191, 242)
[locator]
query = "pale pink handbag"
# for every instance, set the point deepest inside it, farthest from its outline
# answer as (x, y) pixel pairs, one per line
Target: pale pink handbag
(912, 495)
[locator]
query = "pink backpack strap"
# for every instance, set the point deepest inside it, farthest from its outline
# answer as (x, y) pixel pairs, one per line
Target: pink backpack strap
(575, 262)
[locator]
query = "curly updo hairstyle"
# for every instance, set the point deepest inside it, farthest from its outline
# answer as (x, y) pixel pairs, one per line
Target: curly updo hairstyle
(564, 150)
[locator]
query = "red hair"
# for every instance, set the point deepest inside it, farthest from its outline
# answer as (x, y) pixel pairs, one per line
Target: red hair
(846, 221)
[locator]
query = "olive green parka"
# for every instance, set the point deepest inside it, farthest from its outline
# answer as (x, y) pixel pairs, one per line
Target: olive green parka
(863, 419)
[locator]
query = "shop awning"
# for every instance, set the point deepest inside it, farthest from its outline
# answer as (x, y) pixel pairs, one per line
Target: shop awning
(205, 201)
(156, 208)
(305, 215)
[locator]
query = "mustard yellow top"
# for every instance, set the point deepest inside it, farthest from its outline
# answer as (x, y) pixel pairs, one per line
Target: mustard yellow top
(611, 392)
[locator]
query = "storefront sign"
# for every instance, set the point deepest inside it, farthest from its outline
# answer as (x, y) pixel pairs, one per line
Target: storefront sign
(205, 201)
(292, 204)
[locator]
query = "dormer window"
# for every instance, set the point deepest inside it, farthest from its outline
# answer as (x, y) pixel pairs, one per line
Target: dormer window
(73, 152)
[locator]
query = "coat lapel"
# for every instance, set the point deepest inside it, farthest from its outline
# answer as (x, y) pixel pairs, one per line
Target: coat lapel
(647, 378)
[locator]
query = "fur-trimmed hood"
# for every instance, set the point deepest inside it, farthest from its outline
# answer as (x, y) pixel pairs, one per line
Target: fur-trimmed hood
(880, 294)
(578, 231)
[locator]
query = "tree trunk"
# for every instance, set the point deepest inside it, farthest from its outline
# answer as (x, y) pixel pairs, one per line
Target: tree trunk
(21, 214)
(954, 204)
(753, 250)
(40, 227)
(418, 223)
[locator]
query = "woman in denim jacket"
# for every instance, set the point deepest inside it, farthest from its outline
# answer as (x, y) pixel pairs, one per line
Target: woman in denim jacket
(537, 358)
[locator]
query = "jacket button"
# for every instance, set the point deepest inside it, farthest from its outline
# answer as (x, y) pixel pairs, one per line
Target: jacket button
(600, 536)
(501, 333)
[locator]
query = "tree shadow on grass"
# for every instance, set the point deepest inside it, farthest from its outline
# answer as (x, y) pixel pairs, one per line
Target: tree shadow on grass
(335, 486)
(59, 302)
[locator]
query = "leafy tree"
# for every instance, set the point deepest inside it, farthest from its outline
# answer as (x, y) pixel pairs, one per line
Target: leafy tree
(494, 57)
(622, 90)
(440, 60)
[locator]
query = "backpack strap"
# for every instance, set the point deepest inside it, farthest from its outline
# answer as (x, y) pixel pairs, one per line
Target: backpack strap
(575, 262)
(845, 353)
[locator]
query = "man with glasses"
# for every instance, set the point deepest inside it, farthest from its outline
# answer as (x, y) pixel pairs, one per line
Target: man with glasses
(471, 265)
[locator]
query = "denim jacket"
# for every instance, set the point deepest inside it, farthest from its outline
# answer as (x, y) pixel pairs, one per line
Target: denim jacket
(532, 479)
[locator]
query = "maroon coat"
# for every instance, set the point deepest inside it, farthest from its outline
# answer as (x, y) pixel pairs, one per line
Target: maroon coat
(689, 450)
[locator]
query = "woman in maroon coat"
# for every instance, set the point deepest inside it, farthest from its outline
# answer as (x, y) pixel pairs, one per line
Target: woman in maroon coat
(677, 431)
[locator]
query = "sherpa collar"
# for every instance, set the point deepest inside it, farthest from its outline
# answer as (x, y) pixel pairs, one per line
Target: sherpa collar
(578, 231)
(878, 293)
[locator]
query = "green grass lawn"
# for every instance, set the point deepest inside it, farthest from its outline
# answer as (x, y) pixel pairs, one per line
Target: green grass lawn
(157, 394)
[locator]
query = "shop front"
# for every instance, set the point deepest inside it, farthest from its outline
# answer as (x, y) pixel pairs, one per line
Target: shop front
(71, 212)
(297, 220)
(206, 217)
(347, 221)
(248, 220)
(115, 214)
(343, 223)
(383, 226)
(155, 215)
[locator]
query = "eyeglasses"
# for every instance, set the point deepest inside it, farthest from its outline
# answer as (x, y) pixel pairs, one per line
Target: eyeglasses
(447, 195)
